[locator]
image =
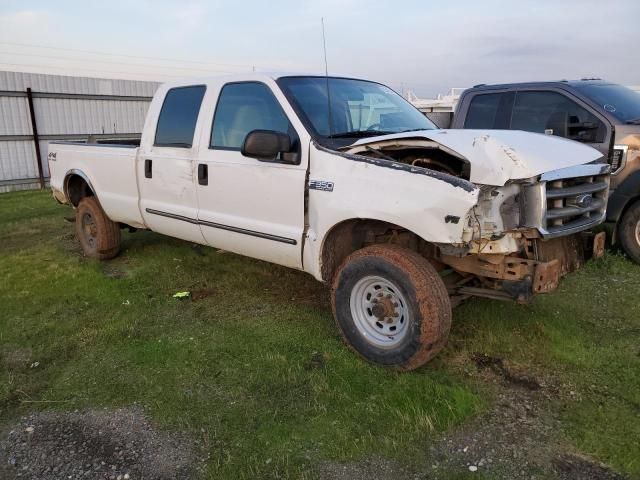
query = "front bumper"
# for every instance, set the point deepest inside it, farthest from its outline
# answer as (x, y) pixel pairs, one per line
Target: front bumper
(508, 277)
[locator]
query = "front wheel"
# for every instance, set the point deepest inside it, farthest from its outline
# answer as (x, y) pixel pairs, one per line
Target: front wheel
(391, 306)
(98, 235)
(629, 231)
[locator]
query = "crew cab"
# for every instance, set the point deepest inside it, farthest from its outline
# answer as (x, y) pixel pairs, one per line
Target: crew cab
(595, 112)
(344, 179)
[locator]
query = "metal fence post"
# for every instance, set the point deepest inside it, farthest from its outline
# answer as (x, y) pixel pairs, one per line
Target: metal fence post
(36, 139)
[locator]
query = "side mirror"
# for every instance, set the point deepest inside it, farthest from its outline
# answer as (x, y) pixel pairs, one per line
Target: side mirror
(265, 145)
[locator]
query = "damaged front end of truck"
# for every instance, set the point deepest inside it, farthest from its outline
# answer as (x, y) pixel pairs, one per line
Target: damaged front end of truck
(529, 227)
(522, 238)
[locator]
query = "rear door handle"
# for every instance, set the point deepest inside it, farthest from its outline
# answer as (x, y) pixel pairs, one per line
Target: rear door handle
(148, 172)
(203, 174)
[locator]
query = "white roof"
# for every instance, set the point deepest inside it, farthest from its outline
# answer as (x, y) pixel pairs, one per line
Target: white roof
(248, 77)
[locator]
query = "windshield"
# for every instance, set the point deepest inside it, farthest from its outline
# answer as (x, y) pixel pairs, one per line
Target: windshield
(622, 102)
(358, 108)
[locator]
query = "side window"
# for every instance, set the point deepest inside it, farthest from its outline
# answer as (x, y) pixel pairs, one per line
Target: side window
(483, 111)
(243, 107)
(552, 112)
(178, 117)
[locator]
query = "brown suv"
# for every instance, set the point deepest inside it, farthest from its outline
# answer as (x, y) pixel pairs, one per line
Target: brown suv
(598, 113)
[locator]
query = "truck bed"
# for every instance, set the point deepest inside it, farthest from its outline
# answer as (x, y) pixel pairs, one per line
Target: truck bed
(110, 168)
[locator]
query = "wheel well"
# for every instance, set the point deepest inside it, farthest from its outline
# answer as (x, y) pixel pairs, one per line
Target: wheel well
(350, 235)
(632, 201)
(77, 188)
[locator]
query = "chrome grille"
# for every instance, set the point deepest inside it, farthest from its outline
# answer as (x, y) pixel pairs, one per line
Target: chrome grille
(568, 200)
(575, 202)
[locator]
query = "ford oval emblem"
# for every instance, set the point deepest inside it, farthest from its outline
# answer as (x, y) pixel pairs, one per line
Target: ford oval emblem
(584, 200)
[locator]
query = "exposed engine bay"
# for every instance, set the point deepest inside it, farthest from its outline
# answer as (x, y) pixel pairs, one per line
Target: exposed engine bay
(419, 154)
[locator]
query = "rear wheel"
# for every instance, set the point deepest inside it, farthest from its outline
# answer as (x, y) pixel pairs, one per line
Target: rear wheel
(629, 231)
(98, 235)
(391, 306)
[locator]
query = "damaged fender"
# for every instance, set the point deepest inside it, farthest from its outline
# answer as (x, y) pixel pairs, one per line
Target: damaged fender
(430, 204)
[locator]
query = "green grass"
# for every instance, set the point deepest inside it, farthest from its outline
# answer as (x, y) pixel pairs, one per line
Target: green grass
(587, 336)
(238, 368)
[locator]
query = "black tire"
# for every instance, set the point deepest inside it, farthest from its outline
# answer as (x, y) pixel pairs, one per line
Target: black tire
(629, 231)
(422, 300)
(99, 237)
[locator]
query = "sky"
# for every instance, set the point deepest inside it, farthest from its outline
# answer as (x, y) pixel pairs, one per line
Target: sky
(423, 46)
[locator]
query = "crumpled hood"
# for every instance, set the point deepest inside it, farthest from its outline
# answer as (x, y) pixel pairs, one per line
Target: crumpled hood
(497, 156)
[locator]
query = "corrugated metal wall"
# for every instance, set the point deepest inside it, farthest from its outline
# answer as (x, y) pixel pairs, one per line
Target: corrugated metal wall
(65, 108)
(62, 84)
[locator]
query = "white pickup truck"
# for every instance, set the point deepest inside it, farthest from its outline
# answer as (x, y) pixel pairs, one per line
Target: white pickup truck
(345, 180)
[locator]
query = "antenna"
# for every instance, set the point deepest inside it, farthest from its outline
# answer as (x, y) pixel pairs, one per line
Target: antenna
(326, 76)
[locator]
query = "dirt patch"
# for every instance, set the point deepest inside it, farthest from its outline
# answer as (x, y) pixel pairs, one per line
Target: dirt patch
(578, 467)
(511, 441)
(499, 368)
(203, 293)
(104, 444)
(68, 242)
(518, 438)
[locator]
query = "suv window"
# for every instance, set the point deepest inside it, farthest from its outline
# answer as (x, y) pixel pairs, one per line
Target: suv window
(552, 112)
(243, 107)
(178, 117)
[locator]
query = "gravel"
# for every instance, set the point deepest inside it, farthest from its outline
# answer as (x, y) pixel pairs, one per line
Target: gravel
(517, 439)
(371, 469)
(511, 441)
(100, 444)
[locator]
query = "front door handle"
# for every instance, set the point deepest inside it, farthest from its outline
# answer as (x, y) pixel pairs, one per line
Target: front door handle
(203, 174)
(148, 172)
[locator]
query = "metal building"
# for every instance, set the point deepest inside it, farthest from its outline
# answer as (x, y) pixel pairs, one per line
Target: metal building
(36, 108)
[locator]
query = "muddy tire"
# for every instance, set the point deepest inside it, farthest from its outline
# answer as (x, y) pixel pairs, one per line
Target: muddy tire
(98, 235)
(629, 231)
(391, 306)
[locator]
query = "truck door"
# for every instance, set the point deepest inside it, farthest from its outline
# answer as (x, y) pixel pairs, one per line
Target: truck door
(168, 199)
(249, 206)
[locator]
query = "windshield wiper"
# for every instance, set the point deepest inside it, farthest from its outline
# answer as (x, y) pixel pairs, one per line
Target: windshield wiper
(633, 121)
(359, 134)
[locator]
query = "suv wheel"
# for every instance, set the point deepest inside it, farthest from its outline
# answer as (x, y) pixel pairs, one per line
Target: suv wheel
(391, 306)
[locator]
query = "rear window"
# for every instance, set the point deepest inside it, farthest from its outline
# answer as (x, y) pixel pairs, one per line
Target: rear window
(178, 117)
(483, 111)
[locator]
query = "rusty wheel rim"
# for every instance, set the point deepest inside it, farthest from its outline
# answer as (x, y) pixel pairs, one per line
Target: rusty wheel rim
(379, 311)
(89, 230)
